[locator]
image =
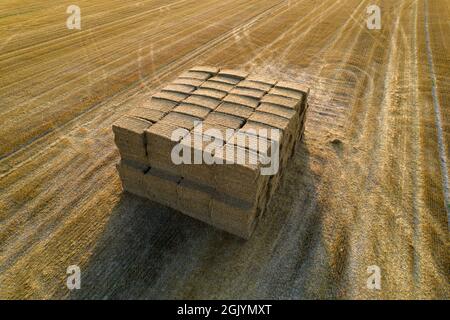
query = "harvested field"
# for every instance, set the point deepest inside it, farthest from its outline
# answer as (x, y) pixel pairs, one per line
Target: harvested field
(367, 186)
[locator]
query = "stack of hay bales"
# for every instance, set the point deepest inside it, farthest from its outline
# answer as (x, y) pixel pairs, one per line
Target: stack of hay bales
(228, 196)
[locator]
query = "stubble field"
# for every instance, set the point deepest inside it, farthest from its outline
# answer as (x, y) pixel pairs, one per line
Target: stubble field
(367, 186)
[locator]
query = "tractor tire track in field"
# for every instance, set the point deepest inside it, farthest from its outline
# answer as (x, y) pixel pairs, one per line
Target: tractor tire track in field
(443, 152)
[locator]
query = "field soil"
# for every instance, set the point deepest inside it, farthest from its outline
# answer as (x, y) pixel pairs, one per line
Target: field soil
(367, 186)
